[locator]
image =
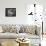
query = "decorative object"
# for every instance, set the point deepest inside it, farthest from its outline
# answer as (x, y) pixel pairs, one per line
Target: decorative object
(10, 12)
(26, 43)
(30, 13)
(36, 11)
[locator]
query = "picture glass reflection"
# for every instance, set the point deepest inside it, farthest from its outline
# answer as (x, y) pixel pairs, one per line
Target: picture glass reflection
(10, 12)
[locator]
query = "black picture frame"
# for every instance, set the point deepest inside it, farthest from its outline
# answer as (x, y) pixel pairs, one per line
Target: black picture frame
(10, 12)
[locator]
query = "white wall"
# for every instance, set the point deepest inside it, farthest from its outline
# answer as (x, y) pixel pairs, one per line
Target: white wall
(20, 9)
(20, 5)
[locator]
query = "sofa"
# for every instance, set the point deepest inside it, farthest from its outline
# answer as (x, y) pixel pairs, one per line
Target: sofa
(19, 31)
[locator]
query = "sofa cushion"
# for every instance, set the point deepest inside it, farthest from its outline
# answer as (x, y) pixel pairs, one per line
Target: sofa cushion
(21, 29)
(1, 30)
(30, 29)
(9, 28)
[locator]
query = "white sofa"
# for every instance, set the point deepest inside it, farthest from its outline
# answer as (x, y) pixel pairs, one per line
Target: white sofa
(8, 31)
(19, 30)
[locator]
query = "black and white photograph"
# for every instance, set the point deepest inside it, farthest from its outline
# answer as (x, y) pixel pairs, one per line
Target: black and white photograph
(10, 12)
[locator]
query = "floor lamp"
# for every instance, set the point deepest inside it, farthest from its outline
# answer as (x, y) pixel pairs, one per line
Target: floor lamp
(42, 26)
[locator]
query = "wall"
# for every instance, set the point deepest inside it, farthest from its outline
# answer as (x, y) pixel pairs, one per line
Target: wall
(20, 5)
(20, 9)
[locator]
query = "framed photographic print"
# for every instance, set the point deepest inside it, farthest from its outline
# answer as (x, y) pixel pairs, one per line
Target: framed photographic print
(10, 12)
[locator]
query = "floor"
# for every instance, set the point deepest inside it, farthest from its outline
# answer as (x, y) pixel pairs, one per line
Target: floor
(43, 42)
